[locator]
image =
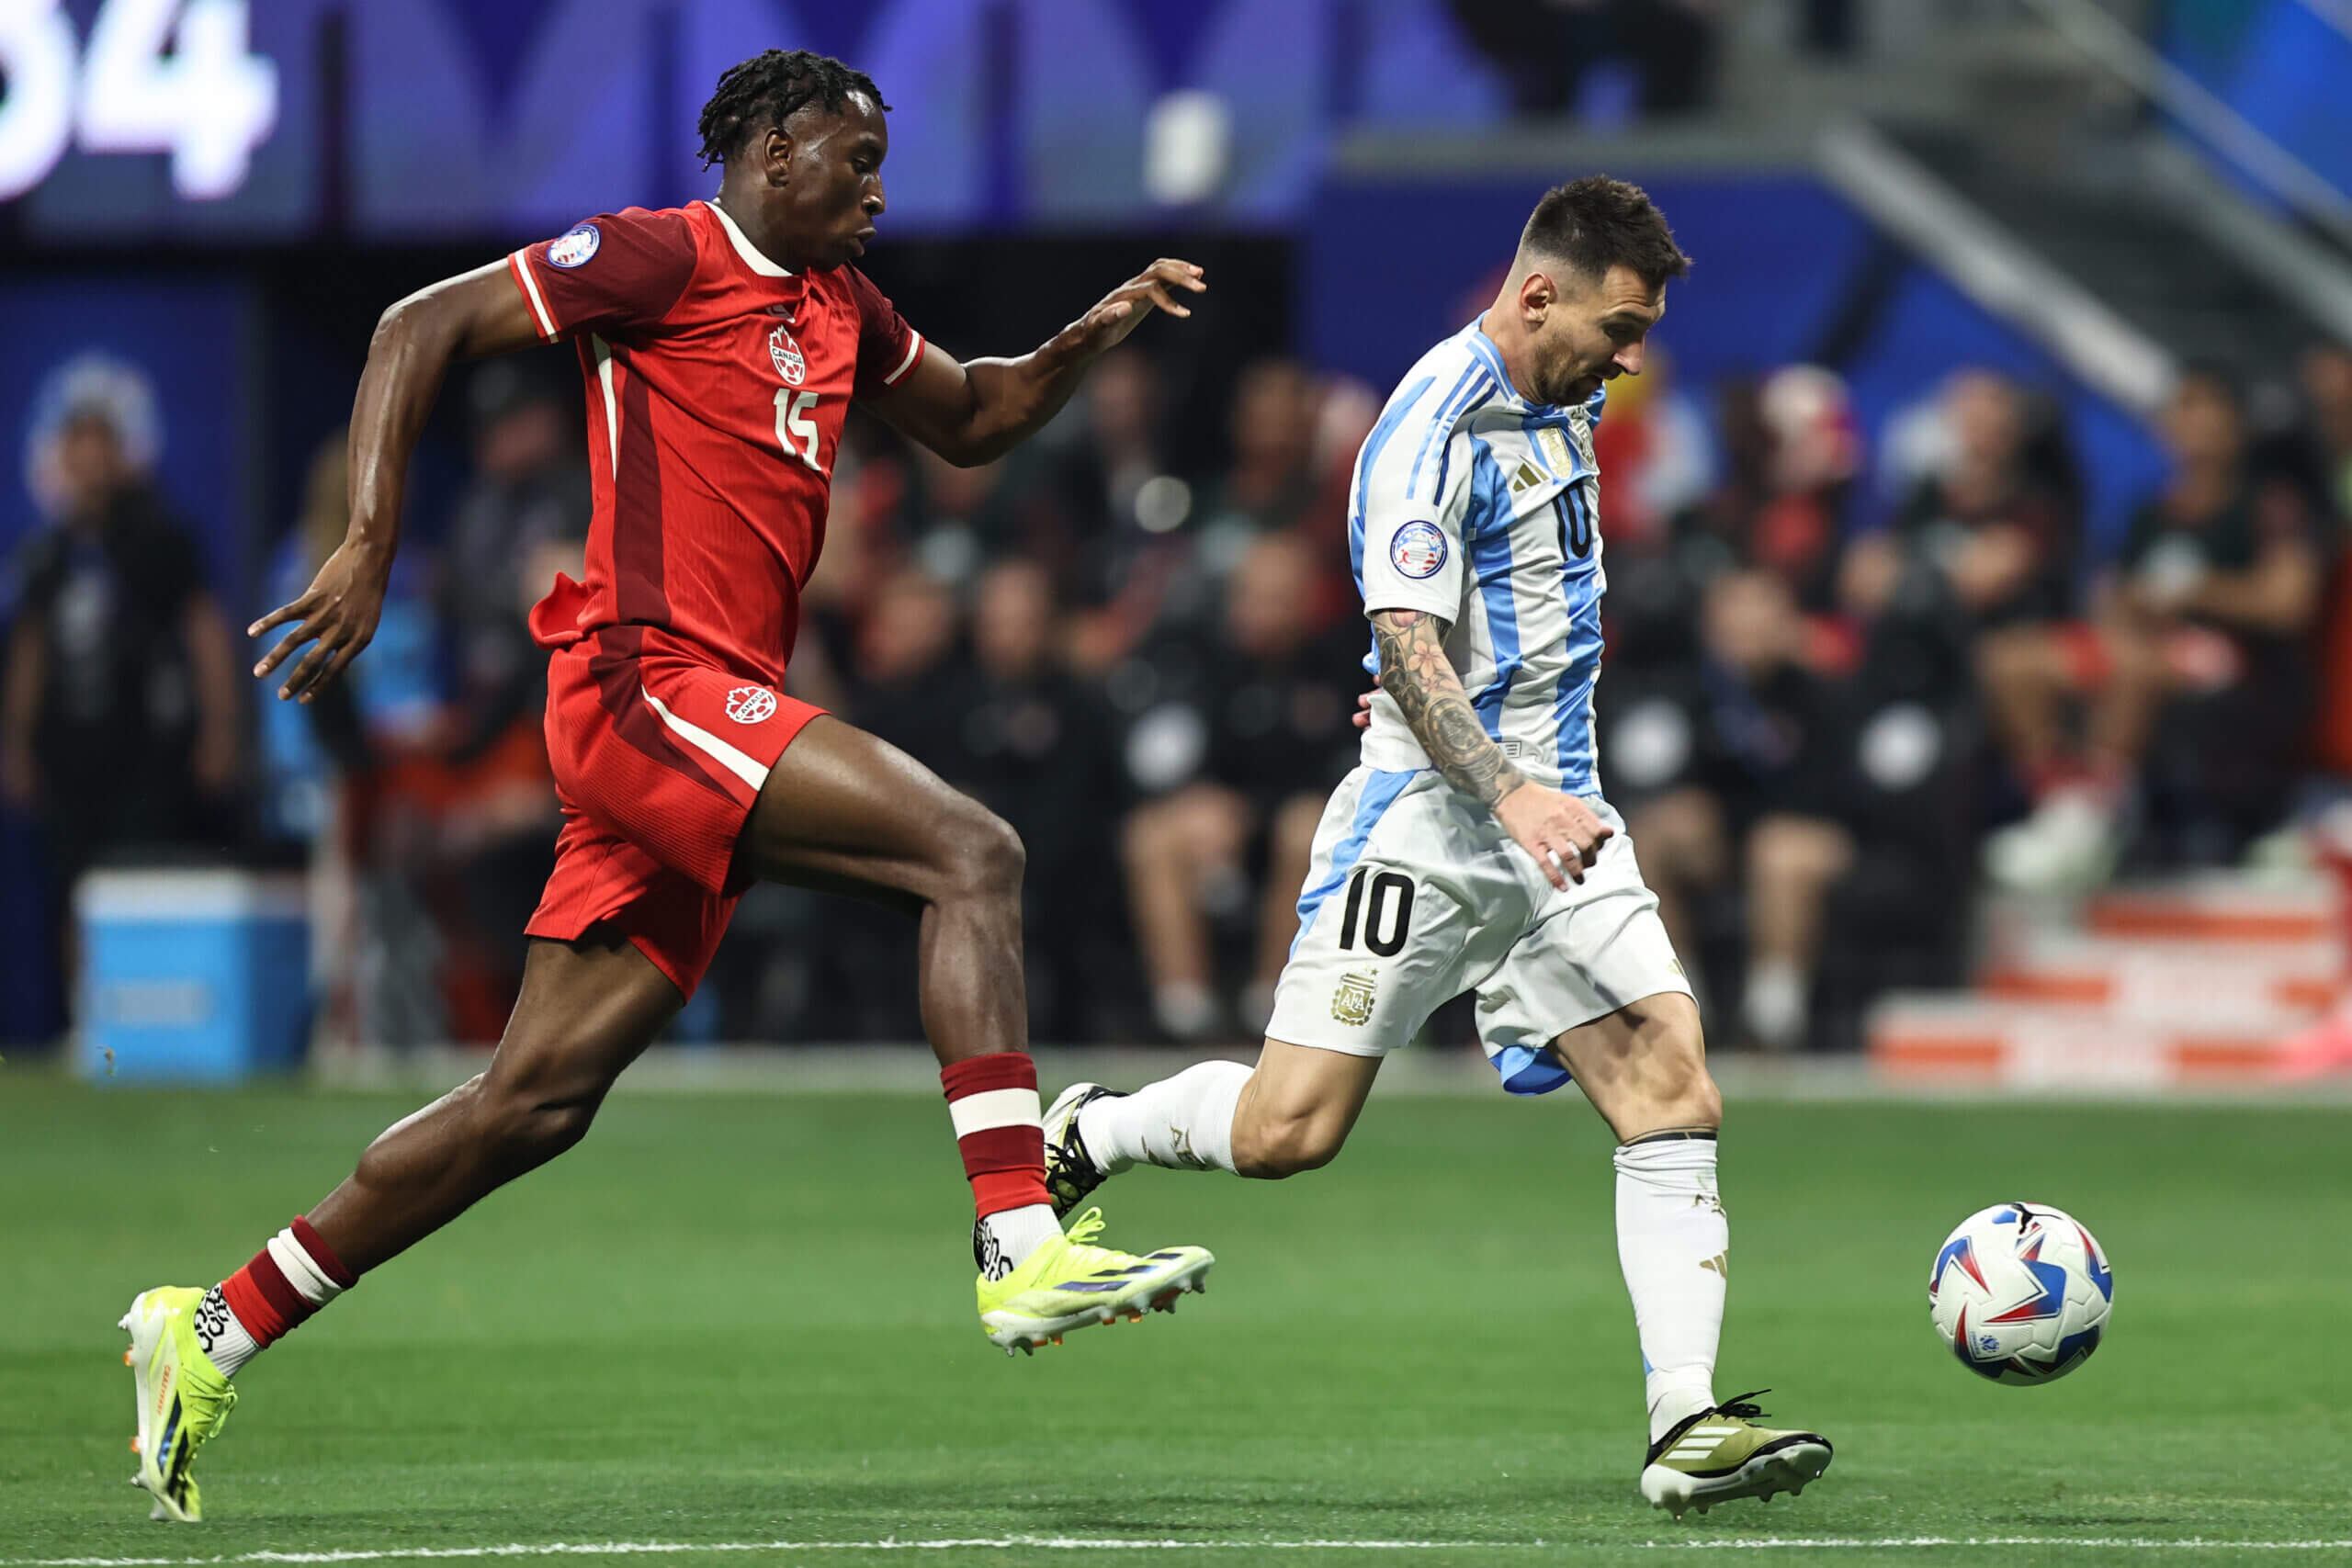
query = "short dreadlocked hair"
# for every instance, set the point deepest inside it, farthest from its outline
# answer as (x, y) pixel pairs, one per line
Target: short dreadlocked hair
(769, 89)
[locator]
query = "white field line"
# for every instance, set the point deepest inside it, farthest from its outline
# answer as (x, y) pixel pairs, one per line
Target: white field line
(1099, 1543)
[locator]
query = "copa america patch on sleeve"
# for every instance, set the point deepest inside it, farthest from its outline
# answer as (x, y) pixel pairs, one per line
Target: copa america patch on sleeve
(575, 246)
(1418, 549)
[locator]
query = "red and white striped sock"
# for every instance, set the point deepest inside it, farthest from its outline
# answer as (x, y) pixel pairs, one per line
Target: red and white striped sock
(292, 1276)
(999, 1131)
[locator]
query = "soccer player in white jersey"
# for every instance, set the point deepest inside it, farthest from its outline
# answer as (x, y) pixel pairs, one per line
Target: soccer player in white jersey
(1472, 849)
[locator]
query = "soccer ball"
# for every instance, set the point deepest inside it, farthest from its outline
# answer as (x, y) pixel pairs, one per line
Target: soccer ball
(2020, 1293)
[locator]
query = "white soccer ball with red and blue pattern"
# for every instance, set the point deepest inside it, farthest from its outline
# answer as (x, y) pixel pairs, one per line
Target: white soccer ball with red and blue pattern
(2020, 1293)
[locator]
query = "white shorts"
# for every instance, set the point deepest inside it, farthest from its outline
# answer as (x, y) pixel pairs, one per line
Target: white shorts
(1416, 895)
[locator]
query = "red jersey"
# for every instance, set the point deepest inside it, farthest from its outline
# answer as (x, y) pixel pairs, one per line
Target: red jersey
(717, 382)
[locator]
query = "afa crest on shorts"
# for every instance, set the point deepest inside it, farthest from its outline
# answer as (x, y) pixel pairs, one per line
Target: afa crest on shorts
(751, 705)
(575, 246)
(1418, 549)
(790, 362)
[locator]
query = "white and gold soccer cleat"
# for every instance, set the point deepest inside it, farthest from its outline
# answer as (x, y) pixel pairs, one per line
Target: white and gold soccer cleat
(1722, 1454)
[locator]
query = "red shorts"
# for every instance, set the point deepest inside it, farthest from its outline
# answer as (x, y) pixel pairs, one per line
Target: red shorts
(658, 759)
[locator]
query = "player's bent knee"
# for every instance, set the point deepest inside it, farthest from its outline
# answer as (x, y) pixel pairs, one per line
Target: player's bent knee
(525, 1119)
(1658, 1077)
(1290, 1146)
(1702, 1101)
(1687, 1089)
(1680, 1096)
(982, 856)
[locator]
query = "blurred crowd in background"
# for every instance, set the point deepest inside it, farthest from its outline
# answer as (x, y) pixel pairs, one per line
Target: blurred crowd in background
(1845, 688)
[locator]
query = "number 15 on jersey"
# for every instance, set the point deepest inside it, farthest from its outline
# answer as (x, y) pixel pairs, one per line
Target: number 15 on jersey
(795, 430)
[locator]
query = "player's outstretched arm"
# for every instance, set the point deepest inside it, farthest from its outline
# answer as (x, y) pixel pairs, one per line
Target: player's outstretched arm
(1561, 832)
(975, 411)
(476, 313)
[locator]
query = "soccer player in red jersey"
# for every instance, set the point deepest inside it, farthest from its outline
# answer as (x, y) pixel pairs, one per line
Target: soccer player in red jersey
(721, 344)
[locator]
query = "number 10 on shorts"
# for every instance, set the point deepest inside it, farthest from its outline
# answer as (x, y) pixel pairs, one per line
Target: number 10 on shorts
(1386, 914)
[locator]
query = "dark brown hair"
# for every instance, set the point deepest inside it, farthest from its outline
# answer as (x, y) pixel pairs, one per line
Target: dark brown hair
(1596, 223)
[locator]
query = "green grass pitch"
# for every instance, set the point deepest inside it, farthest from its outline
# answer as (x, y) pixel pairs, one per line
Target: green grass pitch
(727, 1321)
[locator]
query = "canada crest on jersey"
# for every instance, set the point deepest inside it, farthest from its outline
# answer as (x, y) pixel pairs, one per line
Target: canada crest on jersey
(790, 362)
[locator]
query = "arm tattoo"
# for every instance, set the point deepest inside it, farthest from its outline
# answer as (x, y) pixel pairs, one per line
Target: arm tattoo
(1415, 671)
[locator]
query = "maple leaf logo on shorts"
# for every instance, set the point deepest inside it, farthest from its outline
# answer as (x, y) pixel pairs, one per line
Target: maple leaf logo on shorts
(750, 704)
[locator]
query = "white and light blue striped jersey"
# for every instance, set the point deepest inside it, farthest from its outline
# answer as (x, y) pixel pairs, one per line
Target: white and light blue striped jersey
(1484, 510)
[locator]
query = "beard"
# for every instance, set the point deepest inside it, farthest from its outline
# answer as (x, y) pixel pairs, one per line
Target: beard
(1569, 386)
(1566, 381)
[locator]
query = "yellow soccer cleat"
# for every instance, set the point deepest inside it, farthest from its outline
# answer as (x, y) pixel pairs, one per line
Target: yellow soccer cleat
(1068, 1283)
(183, 1398)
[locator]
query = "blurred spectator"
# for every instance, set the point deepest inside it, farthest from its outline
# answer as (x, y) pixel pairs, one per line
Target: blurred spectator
(957, 516)
(118, 712)
(1038, 746)
(2195, 679)
(1982, 551)
(1729, 778)
(1990, 530)
(1269, 482)
(2327, 397)
(1241, 757)
(902, 686)
(1791, 451)
(1654, 444)
(522, 517)
(324, 764)
(1817, 450)
(485, 792)
(1121, 452)
(2327, 400)
(392, 697)
(1116, 479)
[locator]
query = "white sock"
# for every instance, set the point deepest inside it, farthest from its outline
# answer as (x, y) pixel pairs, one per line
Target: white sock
(1014, 1234)
(1673, 1242)
(224, 1338)
(1185, 1123)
